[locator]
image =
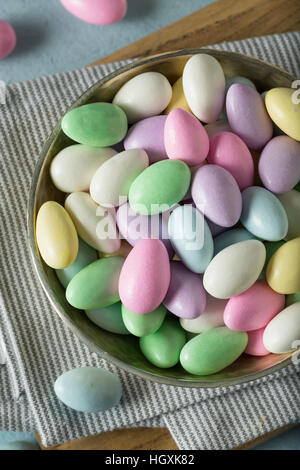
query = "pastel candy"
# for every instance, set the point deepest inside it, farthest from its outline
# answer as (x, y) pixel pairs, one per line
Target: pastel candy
(279, 164)
(204, 86)
(234, 269)
(230, 237)
(112, 181)
(213, 350)
(143, 325)
(144, 95)
(282, 334)
(95, 124)
(91, 221)
(263, 214)
(56, 236)
(291, 204)
(148, 134)
(85, 256)
(231, 153)
(211, 317)
(163, 347)
(109, 318)
(191, 238)
(135, 227)
(254, 308)
(8, 39)
(145, 276)
(97, 11)
(159, 187)
(185, 138)
(73, 167)
(217, 195)
(247, 115)
(255, 345)
(178, 99)
(283, 270)
(186, 296)
(88, 389)
(96, 285)
(124, 251)
(284, 109)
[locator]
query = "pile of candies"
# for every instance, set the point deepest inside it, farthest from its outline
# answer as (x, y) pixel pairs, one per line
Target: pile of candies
(187, 233)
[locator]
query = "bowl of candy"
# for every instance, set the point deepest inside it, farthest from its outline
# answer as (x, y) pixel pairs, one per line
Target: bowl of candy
(164, 218)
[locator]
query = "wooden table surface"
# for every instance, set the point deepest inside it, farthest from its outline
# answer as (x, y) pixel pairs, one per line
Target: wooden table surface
(224, 20)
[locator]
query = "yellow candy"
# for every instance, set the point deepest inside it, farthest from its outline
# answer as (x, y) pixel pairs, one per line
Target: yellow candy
(283, 270)
(123, 251)
(178, 99)
(283, 111)
(56, 236)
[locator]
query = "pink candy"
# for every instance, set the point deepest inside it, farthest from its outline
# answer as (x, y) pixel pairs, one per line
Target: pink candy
(7, 39)
(145, 276)
(185, 137)
(97, 11)
(255, 345)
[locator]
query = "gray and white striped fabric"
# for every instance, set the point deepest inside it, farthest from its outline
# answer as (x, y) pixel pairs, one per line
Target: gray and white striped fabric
(35, 345)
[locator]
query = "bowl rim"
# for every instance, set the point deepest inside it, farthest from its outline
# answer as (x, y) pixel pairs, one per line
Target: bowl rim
(224, 383)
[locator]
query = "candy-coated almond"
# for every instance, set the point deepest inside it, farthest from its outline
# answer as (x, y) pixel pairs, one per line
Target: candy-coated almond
(56, 236)
(96, 285)
(291, 204)
(143, 325)
(283, 270)
(284, 110)
(255, 346)
(254, 308)
(113, 179)
(159, 187)
(163, 347)
(109, 318)
(212, 351)
(210, 318)
(282, 334)
(95, 124)
(234, 269)
(185, 138)
(145, 276)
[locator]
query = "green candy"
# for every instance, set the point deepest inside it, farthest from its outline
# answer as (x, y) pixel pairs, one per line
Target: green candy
(86, 255)
(292, 299)
(96, 124)
(109, 318)
(96, 285)
(146, 324)
(163, 184)
(213, 350)
(163, 347)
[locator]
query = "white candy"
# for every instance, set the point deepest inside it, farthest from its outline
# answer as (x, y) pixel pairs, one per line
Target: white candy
(145, 95)
(73, 167)
(234, 269)
(210, 318)
(114, 178)
(291, 203)
(282, 334)
(204, 87)
(88, 217)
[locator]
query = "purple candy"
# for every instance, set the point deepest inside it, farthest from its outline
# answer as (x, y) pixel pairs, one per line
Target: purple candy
(134, 227)
(279, 164)
(148, 134)
(217, 195)
(247, 115)
(186, 296)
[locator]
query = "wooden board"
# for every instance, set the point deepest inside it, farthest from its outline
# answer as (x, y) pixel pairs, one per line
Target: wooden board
(224, 20)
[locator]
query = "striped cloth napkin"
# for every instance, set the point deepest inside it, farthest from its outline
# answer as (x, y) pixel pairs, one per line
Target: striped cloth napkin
(35, 345)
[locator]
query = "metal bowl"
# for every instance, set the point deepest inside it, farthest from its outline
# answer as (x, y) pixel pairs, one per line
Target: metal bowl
(124, 350)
